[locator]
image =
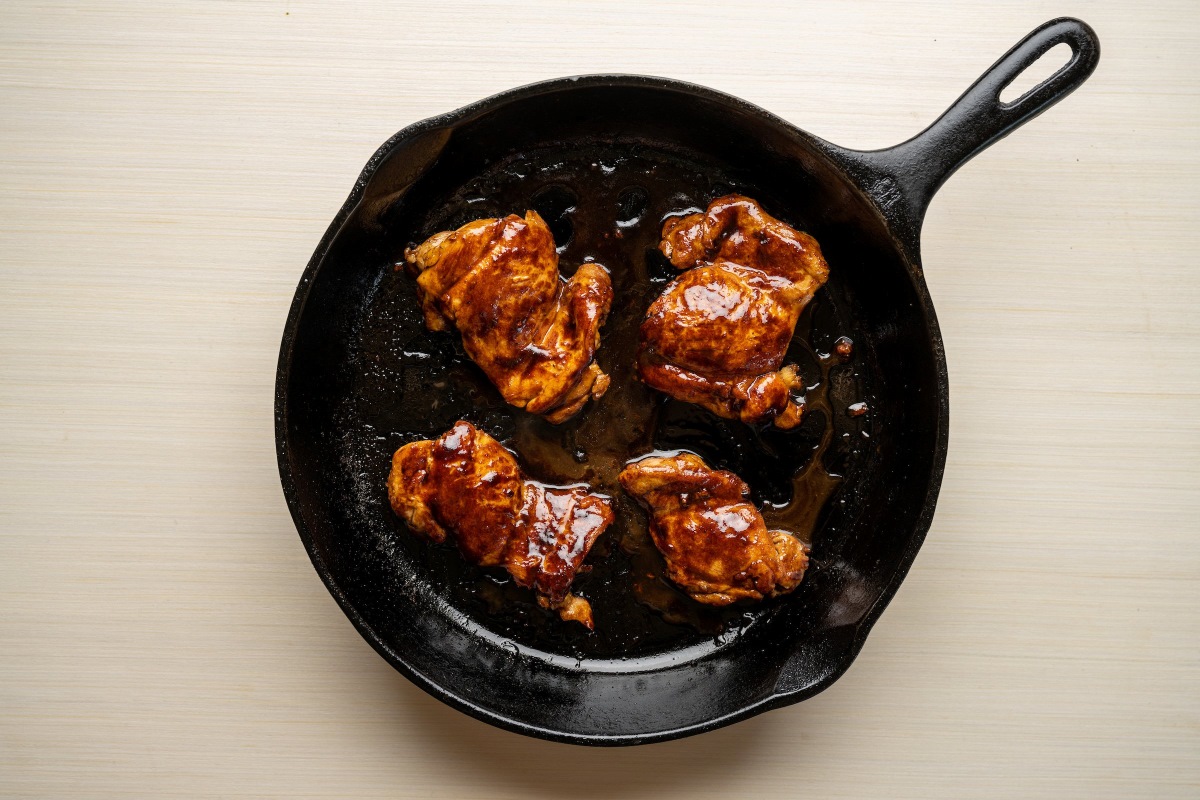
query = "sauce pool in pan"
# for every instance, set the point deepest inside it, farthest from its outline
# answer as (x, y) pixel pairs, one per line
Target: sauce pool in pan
(603, 204)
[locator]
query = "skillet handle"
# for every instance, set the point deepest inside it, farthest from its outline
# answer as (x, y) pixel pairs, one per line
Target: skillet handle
(911, 172)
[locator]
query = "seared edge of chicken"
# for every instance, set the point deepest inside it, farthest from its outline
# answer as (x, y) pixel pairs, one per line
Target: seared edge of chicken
(467, 484)
(716, 544)
(736, 228)
(533, 333)
(717, 335)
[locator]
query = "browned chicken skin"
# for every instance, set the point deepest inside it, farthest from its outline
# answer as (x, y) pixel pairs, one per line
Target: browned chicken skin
(716, 545)
(717, 335)
(533, 333)
(466, 483)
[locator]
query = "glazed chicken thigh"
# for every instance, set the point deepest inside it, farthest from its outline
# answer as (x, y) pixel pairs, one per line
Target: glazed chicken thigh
(467, 484)
(533, 333)
(716, 545)
(718, 334)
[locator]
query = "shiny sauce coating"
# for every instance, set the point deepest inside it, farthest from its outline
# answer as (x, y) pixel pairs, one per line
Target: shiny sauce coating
(466, 484)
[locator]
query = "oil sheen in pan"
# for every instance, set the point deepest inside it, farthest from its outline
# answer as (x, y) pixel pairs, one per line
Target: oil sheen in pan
(604, 204)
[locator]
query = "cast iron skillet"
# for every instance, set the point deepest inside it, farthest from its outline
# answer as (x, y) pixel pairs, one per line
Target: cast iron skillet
(605, 159)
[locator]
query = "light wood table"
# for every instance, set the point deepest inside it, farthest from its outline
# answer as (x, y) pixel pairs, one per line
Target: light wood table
(166, 170)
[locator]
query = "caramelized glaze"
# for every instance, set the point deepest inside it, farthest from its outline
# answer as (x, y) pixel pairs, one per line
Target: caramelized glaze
(718, 334)
(466, 483)
(532, 332)
(716, 545)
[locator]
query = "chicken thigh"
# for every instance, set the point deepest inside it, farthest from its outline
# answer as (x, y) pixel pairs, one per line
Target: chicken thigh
(533, 333)
(716, 545)
(467, 484)
(718, 334)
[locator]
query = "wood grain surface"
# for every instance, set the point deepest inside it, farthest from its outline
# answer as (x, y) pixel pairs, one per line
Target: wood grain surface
(166, 169)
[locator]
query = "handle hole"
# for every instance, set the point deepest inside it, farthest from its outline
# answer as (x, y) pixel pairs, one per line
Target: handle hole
(1036, 74)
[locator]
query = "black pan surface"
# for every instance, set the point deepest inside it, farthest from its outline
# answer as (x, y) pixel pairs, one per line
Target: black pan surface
(605, 159)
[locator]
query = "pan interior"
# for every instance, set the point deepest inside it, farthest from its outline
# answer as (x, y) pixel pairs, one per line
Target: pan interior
(605, 166)
(606, 202)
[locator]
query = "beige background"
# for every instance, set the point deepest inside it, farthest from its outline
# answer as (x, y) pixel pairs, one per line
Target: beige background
(167, 168)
